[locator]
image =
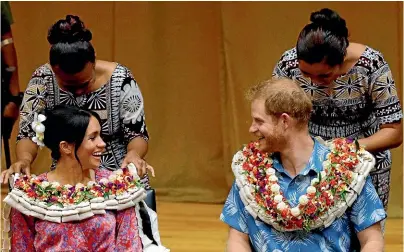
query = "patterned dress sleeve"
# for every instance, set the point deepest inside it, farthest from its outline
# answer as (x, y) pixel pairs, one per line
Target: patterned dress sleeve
(22, 232)
(233, 212)
(128, 238)
(281, 68)
(384, 92)
(367, 209)
(132, 114)
(33, 101)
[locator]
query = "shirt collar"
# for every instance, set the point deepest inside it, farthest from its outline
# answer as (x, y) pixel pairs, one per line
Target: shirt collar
(315, 163)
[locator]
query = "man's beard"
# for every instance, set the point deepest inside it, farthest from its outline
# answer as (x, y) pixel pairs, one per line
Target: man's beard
(273, 142)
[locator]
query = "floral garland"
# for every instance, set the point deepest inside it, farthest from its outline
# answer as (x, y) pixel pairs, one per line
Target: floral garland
(329, 195)
(33, 196)
(37, 189)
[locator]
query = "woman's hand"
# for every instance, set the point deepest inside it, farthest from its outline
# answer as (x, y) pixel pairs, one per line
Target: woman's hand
(141, 165)
(18, 167)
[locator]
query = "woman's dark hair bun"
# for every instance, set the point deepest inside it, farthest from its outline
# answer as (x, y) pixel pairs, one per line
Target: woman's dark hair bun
(330, 20)
(68, 30)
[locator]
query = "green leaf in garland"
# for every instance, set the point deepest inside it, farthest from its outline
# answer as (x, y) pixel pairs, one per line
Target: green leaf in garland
(306, 226)
(106, 195)
(343, 195)
(90, 195)
(59, 204)
(357, 145)
(48, 188)
(39, 189)
(54, 193)
(81, 198)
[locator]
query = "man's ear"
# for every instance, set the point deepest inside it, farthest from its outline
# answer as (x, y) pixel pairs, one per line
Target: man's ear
(285, 120)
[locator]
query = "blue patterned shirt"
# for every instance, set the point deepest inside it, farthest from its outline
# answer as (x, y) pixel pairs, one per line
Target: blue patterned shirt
(365, 211)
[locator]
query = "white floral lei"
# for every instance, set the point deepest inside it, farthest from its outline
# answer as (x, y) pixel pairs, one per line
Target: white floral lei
(328, 197)
(53, 202)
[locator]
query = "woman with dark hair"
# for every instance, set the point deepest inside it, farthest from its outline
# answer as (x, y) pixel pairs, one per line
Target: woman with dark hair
(76, 206)
(75, 77)
(351, 88)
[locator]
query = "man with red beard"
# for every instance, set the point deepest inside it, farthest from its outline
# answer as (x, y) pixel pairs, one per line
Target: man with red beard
(293, 192)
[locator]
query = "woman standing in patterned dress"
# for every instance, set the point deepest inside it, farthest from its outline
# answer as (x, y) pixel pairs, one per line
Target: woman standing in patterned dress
(73, 76)
(352, 90)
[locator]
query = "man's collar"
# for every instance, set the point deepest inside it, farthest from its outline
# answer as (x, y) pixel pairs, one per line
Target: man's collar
(315, 163)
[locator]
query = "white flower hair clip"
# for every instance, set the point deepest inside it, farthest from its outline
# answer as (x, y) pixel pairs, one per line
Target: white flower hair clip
(39, 129)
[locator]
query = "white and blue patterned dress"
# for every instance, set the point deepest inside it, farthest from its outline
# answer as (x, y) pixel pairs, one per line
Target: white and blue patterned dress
(119, 103)
(354, 106)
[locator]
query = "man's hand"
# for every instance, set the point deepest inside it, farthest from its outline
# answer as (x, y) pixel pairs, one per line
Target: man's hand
(141, 165)
(20, 166)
